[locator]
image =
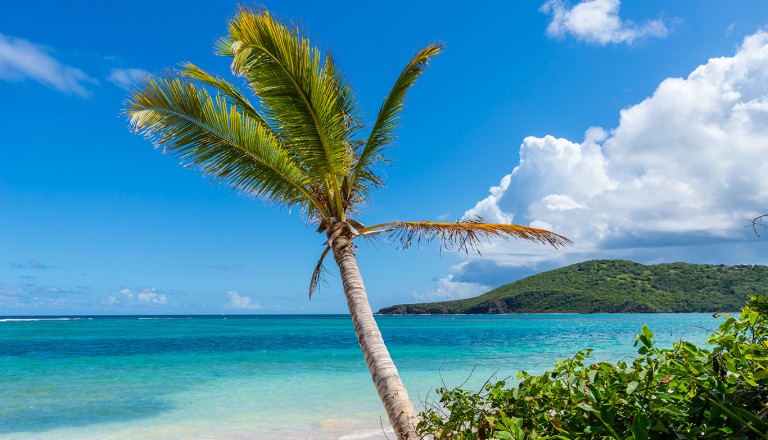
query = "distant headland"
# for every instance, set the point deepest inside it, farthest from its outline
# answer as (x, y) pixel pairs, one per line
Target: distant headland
(613, 286)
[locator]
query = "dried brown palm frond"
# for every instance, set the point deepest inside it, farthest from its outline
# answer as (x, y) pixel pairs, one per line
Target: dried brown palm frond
(466, 235)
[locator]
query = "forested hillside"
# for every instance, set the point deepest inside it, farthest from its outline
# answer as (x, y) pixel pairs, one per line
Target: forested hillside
(614, 286)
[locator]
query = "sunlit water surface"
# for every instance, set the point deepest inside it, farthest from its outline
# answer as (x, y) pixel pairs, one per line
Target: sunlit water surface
(273, 377)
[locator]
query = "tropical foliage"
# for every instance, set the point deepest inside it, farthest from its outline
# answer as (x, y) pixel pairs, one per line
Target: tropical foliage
(685, 392)
(615, 286)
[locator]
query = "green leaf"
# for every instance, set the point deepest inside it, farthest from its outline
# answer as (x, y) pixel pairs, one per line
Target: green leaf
(752, 418)
(631, 387)
(647, 332)
(641, 426)
(753, 317)
(587, 407)
(594, 395)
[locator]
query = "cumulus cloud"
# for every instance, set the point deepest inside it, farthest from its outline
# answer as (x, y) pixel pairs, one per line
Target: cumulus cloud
(597, 22)
(20, 59)
(149, 297)
(242, 302)
(126, 293)
(683, 168)
(488, 208)
(448, 289)
(126, 78)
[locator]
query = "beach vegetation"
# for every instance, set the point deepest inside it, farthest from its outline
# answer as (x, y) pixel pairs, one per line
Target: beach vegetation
(293, 136)
(684, 392)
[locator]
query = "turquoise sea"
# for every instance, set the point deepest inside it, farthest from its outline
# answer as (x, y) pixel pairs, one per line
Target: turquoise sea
(272, 377)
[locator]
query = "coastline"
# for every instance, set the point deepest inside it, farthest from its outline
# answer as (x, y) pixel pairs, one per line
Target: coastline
(554, 313)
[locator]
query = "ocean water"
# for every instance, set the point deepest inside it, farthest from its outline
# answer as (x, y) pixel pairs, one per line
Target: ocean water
(273, 377)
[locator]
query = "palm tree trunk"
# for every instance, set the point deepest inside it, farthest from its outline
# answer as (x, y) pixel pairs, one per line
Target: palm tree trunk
(392, 393)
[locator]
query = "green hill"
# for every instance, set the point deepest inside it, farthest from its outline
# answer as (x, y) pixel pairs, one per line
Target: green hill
(614, 286)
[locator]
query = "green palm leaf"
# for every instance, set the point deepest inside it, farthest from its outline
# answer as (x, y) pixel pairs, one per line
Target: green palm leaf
(307, 100)
(208, 134)
(364, 176)
(233, 94)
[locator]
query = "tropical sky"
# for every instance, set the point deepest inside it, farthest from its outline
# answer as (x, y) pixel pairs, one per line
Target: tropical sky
(637, 129)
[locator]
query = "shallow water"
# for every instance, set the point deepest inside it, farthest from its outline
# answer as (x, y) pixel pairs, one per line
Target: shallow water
(266, 377)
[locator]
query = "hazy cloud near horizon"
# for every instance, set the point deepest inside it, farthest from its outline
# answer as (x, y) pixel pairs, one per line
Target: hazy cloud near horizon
(447, 289)
(240, 302)
(683, 170)
(144, 296)
(27, 296)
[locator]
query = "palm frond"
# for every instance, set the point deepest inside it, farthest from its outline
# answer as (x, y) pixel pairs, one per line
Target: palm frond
(317, 274)
(364, 176)
(233, 94)
(208, 134)
(466, 235)
(306, 99)
(347, 104)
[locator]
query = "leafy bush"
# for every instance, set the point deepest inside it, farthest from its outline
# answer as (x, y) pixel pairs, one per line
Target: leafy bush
(686, 392)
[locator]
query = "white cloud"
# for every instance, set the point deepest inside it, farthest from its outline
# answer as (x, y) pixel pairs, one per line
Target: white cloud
(448, 289)
(149, 296)
(683, 168)
(126, 293)
(126, 78)
(598, 22)
(145, 296)
(488, 208)
(550, 162)
(236, 301)
(20, 59)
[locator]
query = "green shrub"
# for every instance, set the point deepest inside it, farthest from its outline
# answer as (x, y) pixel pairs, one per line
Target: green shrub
(686, 392)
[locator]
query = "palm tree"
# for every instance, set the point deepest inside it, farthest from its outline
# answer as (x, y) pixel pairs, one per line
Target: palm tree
(301, 144)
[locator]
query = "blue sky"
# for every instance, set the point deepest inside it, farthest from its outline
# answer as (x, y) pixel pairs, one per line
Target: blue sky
(638, 129)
